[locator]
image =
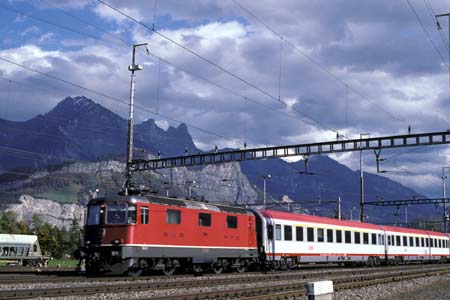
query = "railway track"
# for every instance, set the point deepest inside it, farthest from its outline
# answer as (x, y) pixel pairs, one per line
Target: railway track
(271, 283)
(67, 277)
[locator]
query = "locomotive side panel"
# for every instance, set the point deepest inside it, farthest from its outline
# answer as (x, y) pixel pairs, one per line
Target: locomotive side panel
(135, 233)
(190, 233)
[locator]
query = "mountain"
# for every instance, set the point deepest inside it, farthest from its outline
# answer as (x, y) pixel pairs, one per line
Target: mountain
(329, 180)
(79, 129)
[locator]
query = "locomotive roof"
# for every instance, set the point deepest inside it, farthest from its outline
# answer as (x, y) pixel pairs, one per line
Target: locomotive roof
(171, 202)
(345, 223)
(18, 239)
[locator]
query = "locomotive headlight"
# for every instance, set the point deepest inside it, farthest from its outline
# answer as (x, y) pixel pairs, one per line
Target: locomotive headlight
(115, 253)
(116, 242)
(87, 242)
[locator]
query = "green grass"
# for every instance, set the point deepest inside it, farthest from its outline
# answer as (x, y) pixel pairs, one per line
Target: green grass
(63, 262)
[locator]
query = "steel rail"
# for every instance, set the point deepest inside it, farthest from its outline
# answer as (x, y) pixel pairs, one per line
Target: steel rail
(87, 290)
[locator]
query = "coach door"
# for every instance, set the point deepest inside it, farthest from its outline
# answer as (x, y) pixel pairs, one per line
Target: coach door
(270, 226)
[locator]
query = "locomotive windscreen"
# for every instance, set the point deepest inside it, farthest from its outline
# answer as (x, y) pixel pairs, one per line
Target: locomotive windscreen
(93, 215)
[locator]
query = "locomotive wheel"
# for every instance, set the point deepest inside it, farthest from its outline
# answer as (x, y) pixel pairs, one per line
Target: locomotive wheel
(240, 269)
(168, 271)
(135, 272)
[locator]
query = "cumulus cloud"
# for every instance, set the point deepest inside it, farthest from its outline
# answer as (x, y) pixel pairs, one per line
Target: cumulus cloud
(377, 48)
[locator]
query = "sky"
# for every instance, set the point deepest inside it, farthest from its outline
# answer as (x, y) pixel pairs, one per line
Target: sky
(269, 72)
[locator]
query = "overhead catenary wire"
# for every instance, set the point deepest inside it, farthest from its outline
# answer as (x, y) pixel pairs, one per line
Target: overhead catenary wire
(113, 98)
(125, 44)
(116, 38)
(217, 66)
(433, 18)
(315, 62)
(428, 35)
(96, 92)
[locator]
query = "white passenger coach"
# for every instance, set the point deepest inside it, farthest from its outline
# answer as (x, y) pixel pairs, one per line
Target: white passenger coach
(289, 239)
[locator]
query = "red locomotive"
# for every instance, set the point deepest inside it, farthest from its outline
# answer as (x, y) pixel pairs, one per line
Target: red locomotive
(135, 234)
(131, 234)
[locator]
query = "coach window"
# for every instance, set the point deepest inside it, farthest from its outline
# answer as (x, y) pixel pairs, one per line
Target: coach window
(116, 213)
(320, 235)
(204, 219)
(357, 238)
(299, 233)
(411, 241)
(329, 235)
(278, 232)
(348, 237)
(232, 222)
(287, 233)
(427, 242)
(173, 216)
(389, 240)
(417, 242)
(365, 238)
(144, 215)
(422, 243)
(440, 243)
(405, 241)
(374, 238)
(338, 236)
(310, 234)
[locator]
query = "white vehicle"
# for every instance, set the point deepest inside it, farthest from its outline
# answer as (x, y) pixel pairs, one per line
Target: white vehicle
(21, 248)
(290, 239)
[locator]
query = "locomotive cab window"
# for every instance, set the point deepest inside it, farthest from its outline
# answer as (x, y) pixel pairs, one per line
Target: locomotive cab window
(232, 222)
(287, 233)
(173, 216)
(131, 215)
(116, 213)
(278, 232)
(144, 215)
(204, 219)
(93, 215)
